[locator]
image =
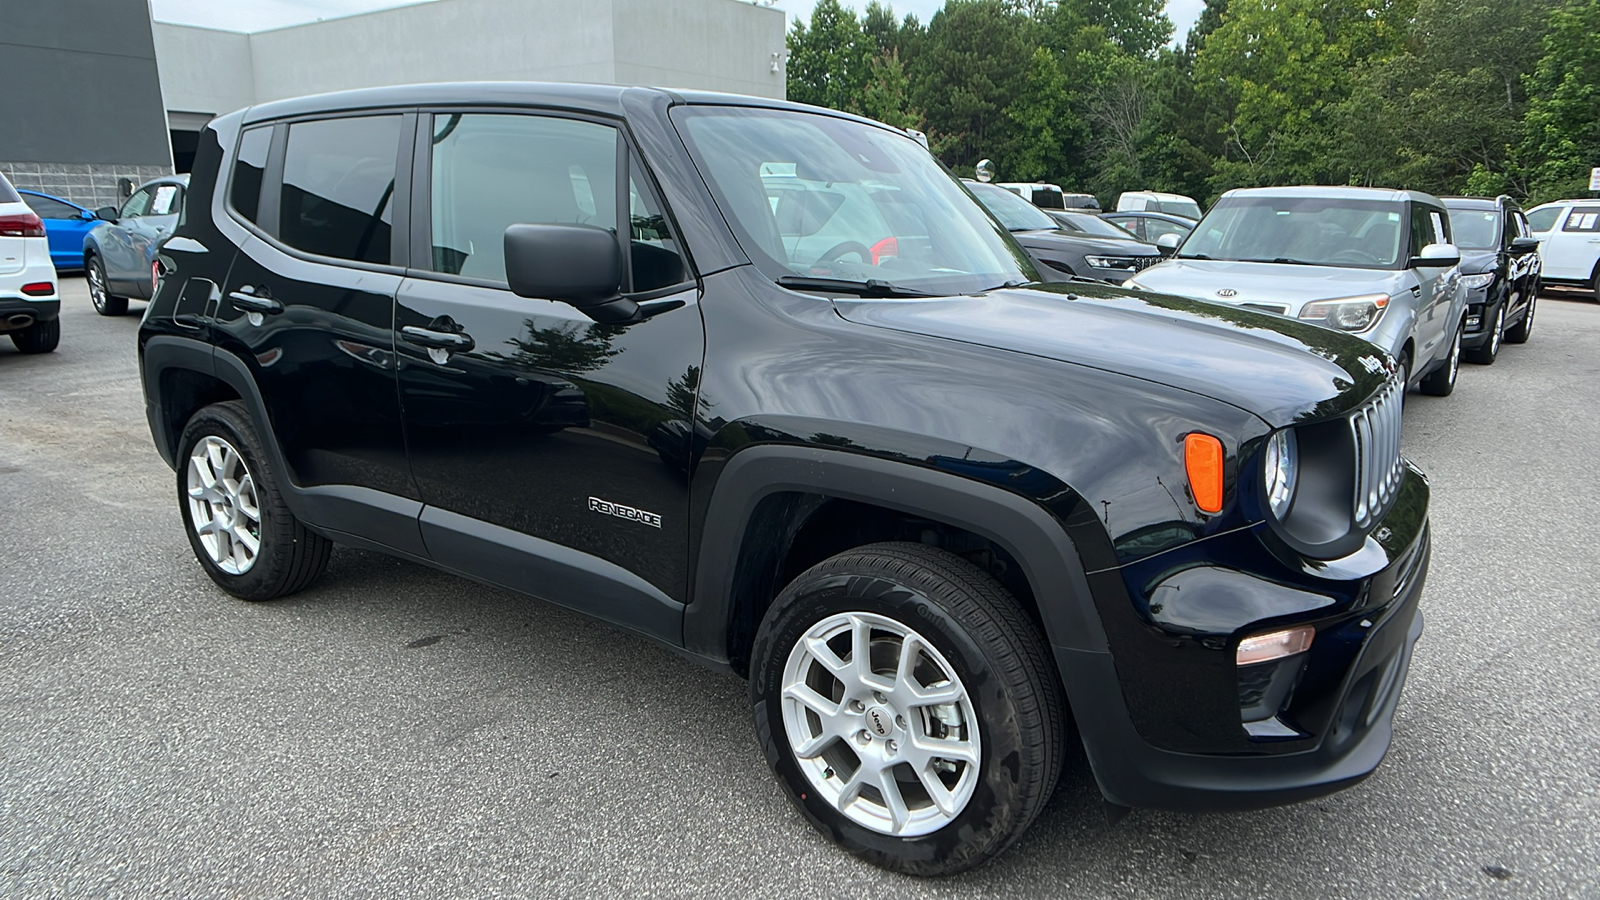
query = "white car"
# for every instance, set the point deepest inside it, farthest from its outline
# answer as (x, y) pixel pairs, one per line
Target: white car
(1569, 242)
(1155, 201)
(30, 307)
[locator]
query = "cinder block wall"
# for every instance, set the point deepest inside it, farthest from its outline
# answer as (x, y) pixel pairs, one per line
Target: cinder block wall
(89, 185)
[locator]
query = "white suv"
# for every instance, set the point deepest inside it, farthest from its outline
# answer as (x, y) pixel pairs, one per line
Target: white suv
(1569, 242)
(30, 307)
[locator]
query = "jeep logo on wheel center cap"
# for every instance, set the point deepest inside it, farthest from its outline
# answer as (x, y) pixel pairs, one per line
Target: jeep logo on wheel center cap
(880, 720)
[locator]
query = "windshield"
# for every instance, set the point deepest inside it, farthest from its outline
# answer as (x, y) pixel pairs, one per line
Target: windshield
(813, 195)
(1475, 229)
(1015, 213)
(1315, 231)
(1090, 224)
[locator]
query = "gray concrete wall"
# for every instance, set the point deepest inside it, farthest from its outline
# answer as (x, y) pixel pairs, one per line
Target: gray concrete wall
(82, 86)
(204, 70)
(723, 45)
(90, 185)
(714, 45)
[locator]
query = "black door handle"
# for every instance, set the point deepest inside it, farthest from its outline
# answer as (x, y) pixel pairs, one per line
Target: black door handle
(244, 298)
(454, 341)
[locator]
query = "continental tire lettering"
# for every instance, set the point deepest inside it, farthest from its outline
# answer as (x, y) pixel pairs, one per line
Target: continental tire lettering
(607, 508)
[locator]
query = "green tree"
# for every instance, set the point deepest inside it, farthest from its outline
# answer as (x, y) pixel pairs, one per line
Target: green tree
(827, 61)
(970, 65)
(1563, 118)
(886, 96)
(1046, 128)
(1139, 27)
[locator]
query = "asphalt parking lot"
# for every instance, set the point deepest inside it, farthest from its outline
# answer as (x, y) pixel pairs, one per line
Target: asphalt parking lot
(396, 732)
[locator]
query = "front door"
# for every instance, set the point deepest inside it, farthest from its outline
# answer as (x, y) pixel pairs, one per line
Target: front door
(551, 451)
(308, 306)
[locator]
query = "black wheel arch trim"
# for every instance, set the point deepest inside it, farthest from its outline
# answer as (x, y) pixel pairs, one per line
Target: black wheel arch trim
(389, 521)
(1028, 532)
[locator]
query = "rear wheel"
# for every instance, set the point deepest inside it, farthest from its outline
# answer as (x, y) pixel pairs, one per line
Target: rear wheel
(1485, 355)
(100, 290)
(1441, 382)
(905, 702)
(246, 539)
(40, 337)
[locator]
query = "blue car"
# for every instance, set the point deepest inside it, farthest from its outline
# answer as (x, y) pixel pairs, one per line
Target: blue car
(66, 224)
(119, 251)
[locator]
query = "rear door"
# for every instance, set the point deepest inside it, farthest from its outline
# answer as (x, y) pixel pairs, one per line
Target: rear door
(552, 452)
(308, 307)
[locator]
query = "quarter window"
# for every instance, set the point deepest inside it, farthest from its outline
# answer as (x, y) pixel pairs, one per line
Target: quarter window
(248, 169)
(654, 255)
(338, 184)
(491, 171)
(1583, 218)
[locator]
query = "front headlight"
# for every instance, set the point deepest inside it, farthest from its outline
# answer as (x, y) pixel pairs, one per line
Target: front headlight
(1347, 313)
(1113, 262)
(1281, 474)
(1474, 282)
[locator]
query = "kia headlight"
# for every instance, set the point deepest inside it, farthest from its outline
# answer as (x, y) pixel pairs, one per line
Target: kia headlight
(1347, 313)
(1281, 472)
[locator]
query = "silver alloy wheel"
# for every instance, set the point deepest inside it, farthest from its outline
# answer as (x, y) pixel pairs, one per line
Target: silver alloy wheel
(1455, 358)
(880, 724)
(1499, 329)
(97, 285)
(223, 510)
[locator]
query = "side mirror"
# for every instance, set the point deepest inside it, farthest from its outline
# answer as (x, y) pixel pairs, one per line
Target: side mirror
(1522, 246)
(107, 213)
(1436, 256)
(580, 265)
(1169, 243)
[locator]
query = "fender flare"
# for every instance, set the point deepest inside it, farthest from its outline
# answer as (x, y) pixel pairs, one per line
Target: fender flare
(1028, 532)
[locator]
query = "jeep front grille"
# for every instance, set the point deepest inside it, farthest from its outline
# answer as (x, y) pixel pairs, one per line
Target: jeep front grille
(1377, 438)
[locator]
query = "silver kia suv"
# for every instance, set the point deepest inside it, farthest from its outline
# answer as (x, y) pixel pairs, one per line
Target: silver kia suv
(1378, 263)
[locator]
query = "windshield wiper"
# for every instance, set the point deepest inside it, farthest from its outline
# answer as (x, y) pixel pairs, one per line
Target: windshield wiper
(1284, 261)
(872, 287)
(1191, 256)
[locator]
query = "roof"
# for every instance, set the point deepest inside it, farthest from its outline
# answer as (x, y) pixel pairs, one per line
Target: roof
(1159, 195)
(1336, 192)
(600, 98)
(1472, 202)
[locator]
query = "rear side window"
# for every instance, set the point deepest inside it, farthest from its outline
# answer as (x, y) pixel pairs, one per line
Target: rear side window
(491, 171)
(248, 169)
(338, 184)
(1583, 218)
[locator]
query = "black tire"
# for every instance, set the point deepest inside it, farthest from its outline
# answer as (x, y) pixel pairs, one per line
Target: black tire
(290, 556)
(1520, 332)
(40, 337)
(100, 290)
(1441, 382)
(996, 653)
(1485, 355)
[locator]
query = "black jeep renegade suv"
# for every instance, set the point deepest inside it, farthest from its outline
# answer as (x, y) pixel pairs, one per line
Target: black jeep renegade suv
(762, 382)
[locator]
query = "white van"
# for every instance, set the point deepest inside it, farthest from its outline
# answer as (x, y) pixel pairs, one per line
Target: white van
(1050, 196)
(1155, 201)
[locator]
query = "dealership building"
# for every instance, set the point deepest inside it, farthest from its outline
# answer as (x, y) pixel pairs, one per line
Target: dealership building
(102, 97)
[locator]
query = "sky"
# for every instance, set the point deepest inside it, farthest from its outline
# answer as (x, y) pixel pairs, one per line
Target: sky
(259, 15)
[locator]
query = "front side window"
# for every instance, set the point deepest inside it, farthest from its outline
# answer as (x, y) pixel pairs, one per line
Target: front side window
(1584, 219)
(248, 169)
(1421, 230)
(1475, 229)
(1314, 231)
(814, 196)
(491, 171)
(135, 206)
(1542, 220)
(338, 181)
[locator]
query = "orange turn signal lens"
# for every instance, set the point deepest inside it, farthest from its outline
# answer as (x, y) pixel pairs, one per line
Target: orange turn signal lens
(1202, 457)
(1273, 645)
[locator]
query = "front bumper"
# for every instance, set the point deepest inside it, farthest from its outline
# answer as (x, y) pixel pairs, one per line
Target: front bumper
(1481, 305)
(1163, 716)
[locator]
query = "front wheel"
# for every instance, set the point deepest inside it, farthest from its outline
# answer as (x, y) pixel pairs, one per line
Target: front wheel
(100, 290)
(1441, 382)
(906, 704)
(1521, 331)
(244, 536)
(1485, 355)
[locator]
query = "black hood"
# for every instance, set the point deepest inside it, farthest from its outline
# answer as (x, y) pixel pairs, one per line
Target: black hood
(1280, 369)
(1076, 242)
(1476, 262)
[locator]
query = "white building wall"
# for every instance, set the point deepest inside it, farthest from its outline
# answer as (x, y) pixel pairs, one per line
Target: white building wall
(721, 45)
(203, 70)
